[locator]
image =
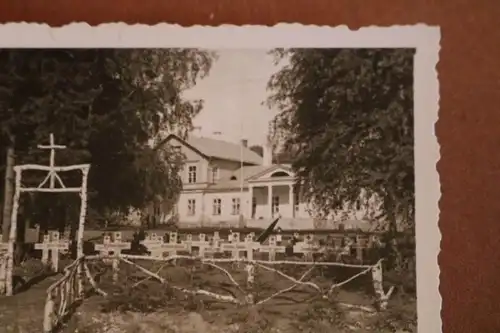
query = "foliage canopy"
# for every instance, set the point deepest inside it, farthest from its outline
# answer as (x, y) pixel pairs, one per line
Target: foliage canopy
(347, 114)
(105, 105)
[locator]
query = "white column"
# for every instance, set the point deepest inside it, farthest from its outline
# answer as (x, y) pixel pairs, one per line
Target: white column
(290, 200)
(270, 200)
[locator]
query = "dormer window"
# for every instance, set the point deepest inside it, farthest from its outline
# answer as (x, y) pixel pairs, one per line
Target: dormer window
(215, 174)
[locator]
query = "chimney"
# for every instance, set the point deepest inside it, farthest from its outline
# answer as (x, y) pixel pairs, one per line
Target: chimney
(244, 143)
(267, 158)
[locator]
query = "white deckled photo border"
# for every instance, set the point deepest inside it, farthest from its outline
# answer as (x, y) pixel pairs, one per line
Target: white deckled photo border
(424, 38)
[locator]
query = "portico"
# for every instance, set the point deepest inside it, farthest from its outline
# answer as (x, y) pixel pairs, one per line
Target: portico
(272, 195)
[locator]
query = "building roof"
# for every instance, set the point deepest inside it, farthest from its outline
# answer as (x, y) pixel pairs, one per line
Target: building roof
(221, 149)
(224, 150)
(234, 182)
(250, 171)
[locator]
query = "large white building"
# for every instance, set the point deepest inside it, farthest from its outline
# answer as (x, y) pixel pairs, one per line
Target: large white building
(226, 183)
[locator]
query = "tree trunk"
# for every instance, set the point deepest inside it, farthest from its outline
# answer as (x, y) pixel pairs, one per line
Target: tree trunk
(8, 192)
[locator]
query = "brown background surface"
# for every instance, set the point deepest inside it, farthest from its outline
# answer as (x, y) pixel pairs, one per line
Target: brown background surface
(468, 129)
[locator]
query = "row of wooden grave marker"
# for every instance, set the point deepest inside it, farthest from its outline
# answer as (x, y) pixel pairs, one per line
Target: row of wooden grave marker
(207, 246)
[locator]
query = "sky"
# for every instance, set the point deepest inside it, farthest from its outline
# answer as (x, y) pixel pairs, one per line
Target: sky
(233, 93)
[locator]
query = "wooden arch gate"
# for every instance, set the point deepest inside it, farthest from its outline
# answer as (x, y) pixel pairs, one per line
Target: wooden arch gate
(52, 183)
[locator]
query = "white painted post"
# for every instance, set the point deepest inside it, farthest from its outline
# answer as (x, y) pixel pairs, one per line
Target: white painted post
(4, 247)
(378, 286)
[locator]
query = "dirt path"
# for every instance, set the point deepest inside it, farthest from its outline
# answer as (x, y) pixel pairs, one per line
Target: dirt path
(23, 312)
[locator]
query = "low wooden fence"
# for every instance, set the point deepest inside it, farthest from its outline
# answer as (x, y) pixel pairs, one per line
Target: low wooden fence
(203, 251)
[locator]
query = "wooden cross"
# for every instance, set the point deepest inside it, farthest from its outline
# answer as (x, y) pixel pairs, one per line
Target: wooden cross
(214, 245)
(279, 237)
(272, 248)
(153, 244)
(236, 246)
(201, 244)
(52, 244)
(216, 236)
(234, 239)
(172, 246)
(189, 242)
(306, 247)
(52, 146)
(251, 245)
(113, 247)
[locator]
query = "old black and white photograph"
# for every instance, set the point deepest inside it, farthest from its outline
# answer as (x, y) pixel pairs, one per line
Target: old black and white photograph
(225, 180)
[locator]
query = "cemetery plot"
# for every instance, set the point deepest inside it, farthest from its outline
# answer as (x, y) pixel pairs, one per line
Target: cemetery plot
(270, 282)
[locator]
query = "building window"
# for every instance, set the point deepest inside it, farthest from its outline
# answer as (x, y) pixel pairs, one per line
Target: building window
(217, 207)
(192, 174)
(236, 206)
(215, 174)
(191, 207)
(275, 205)
(296, 201)
(254, 206)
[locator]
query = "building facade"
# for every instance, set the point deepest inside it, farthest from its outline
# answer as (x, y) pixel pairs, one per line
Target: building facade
(227, 184)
